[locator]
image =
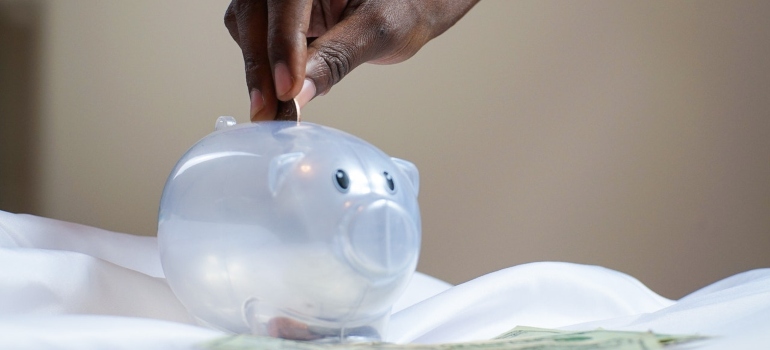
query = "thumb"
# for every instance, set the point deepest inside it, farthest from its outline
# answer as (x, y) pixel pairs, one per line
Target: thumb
(367, 34)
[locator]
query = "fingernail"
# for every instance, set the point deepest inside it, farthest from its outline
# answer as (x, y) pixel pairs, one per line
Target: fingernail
(307, 93)
(257, 102)
(282, 79)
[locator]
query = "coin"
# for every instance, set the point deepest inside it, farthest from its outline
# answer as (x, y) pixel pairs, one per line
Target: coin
(288, 110)
(286, 328)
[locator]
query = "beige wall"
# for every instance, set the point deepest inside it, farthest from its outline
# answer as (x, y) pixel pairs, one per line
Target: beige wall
(632, 135)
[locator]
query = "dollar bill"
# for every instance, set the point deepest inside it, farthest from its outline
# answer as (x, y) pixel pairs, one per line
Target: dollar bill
(519, 338)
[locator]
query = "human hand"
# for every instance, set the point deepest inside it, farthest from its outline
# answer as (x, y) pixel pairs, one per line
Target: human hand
(301, 48)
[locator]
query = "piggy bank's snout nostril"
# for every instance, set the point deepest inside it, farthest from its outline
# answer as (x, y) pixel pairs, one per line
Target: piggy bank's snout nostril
(380, 238)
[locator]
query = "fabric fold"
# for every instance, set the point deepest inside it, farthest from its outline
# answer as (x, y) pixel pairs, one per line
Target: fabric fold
(544, 294)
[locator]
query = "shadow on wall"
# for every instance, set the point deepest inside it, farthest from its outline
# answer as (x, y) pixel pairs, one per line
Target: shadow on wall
(19, 45)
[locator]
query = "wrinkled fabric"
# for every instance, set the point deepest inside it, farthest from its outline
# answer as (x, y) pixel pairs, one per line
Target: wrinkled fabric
(132, 252)
(98, 332)
(736, 311)
(547, 294)
(70, 286)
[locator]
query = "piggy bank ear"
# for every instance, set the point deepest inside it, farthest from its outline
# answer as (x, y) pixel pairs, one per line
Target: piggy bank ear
(280, 168)
(411, 173)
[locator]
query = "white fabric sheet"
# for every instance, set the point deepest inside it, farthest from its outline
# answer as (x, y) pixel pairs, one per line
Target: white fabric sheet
(64, 285)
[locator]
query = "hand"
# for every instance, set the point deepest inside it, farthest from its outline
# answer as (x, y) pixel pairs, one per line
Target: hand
(301, 48)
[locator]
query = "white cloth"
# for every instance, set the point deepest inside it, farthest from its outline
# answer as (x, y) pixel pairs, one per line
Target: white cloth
(70, 286)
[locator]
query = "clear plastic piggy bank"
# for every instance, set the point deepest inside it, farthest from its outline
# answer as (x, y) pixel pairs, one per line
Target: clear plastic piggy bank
(291, 230)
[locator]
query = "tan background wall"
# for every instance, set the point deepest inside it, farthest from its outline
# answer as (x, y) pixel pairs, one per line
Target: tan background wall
(633, 135)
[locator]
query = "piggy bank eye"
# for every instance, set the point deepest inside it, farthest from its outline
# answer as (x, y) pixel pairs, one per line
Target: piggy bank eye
(389, 180)
(341, 180)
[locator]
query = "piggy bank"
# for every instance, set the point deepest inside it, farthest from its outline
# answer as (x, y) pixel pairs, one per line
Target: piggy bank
(291, 230)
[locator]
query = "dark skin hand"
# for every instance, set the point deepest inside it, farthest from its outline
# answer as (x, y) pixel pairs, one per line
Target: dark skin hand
(301, 48)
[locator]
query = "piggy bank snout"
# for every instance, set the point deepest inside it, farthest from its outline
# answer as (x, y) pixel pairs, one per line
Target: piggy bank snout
(381, 238)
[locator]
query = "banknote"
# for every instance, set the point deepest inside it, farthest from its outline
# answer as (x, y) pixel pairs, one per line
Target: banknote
(519, 338)
(643, 339)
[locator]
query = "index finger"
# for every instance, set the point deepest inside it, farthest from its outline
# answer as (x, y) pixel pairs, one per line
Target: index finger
(288, 22)
(251, 20)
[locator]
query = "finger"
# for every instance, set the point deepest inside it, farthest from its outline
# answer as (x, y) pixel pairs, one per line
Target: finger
(324, 15)
(251, 20)
(230, 22)
(286, 36)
